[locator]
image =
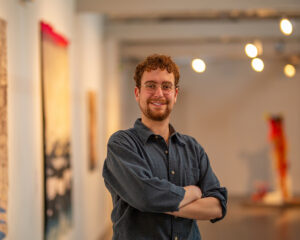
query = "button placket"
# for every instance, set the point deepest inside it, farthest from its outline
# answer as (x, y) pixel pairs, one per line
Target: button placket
(172, 169)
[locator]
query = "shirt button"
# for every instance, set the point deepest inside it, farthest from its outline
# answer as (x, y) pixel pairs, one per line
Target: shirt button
(173, 172)
(166, 152)
(156, 137)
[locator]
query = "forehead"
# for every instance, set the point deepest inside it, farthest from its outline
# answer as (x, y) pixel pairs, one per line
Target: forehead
(158, 75)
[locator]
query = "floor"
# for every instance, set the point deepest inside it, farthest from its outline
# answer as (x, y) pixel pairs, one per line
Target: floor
(250, 223)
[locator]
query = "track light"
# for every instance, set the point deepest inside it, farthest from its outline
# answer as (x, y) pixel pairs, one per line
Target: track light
(286, 26)
(198, 65)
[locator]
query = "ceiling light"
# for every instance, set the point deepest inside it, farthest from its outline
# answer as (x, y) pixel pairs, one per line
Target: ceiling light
(257, 64)
(251, 50)
(289, 70)
(198, 65)
(286, 26)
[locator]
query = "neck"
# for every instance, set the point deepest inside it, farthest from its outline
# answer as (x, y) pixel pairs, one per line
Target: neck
(158, 127)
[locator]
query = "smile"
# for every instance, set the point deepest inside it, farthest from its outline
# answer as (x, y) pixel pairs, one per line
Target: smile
(157, 104)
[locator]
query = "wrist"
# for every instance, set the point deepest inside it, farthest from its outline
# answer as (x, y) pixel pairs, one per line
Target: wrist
(194, 192)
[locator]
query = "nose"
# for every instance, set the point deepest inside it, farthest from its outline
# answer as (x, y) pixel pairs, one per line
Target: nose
(158, 91)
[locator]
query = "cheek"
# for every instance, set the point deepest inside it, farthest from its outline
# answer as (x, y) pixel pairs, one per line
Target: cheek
(172, 99)
(141, 99)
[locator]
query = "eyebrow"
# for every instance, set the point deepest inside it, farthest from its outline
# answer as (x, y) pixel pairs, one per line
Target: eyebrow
(152, 81)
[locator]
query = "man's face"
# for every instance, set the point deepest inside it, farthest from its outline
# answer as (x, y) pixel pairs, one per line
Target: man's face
(157, 94)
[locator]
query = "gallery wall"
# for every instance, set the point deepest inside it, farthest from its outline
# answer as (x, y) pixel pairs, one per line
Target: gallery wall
(25, 136)
(230, 120)
(224, 109)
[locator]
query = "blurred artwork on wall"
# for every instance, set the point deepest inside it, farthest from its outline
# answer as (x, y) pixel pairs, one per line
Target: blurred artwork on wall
(281, 196)
(56, 124)
(3, 133)
(92, 129)
(280, 161)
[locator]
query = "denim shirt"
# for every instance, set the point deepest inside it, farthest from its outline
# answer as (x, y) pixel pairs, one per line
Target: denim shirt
(146, 176)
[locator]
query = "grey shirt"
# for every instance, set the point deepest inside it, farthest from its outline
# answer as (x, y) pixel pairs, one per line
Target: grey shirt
(146, 176)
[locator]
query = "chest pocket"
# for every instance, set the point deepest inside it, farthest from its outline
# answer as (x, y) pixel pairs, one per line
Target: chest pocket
(192, 176)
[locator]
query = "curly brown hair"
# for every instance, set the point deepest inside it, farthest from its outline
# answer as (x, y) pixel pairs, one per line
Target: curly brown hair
(154, 62)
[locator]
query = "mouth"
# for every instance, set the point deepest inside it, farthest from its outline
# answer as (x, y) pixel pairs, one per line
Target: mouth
(157, 103)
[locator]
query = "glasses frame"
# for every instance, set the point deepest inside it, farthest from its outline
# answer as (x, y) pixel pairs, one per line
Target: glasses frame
(157, 85)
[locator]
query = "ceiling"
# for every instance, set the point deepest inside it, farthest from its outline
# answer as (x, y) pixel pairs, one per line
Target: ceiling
(129, 9)
(191, 28)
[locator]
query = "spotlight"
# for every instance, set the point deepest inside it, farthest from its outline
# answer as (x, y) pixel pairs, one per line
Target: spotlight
(251, 50)
(286, 26)
(257, 64)
(289, 70)
(198, 65)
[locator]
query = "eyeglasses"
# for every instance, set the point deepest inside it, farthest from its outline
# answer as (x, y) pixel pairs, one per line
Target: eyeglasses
(166, 87)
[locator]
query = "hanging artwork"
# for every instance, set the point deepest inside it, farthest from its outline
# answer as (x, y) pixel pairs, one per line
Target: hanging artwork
(277, 138)
(3, 133)
(92, 130)
(56, 123)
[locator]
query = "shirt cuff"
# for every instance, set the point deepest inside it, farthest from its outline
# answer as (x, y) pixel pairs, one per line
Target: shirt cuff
(179, 192)
(221, 195)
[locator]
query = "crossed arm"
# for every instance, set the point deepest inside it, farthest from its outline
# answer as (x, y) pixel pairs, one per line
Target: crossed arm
(194, 207)
(127, 175)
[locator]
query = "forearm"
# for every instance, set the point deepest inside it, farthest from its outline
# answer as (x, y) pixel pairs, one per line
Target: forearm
(201, 209)
(192, 193)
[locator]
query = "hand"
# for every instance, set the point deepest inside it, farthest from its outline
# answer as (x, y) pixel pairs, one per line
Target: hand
(192, 193)
(195, 190)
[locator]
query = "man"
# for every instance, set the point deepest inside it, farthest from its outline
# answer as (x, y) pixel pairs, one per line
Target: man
(160, 180)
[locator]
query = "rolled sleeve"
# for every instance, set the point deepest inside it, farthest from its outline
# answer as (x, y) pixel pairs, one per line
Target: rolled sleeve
(210, 185)
(129, 176)
(221, 194)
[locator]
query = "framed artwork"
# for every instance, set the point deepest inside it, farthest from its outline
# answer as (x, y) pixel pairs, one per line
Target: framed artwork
(56, 133)
(92, 129)
(3, 133)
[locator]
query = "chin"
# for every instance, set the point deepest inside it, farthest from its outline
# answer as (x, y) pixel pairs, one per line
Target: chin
(158, 117)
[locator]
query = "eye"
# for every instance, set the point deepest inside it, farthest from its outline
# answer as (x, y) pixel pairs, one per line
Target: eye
(166, 86)
(150, 85)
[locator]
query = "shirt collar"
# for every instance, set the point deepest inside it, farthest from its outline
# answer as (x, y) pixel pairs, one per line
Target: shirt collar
(145, 133)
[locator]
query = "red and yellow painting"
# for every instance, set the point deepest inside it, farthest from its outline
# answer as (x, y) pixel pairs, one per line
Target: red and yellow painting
(57, 131)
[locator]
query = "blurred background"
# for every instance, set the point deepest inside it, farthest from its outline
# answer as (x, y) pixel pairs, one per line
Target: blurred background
(225, 105)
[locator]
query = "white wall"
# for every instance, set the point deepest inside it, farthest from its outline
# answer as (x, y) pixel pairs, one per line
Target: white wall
(91, 197)
(25, 210)
(226, 109)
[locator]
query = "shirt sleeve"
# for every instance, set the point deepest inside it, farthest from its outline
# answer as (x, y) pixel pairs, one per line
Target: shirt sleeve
(210, 185)
(129, 176)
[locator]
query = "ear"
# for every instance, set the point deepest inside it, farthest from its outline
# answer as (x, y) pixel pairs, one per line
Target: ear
(137, 93)
(176, 93)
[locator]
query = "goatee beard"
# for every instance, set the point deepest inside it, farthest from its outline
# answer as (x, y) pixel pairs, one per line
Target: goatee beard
(157, 117)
